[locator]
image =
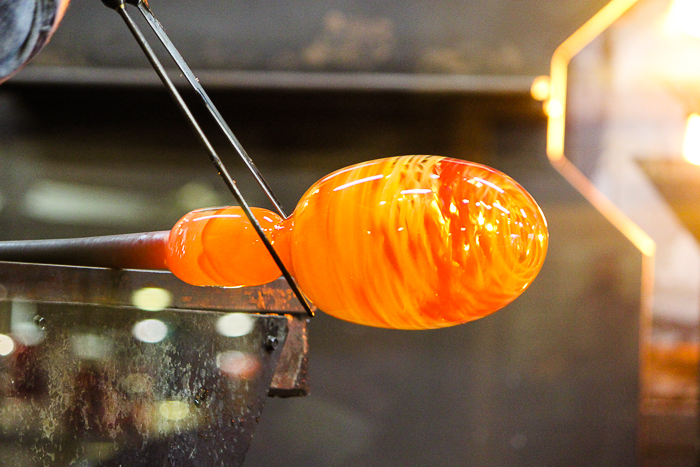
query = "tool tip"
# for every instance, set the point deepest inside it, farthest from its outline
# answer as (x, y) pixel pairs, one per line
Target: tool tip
(114, 4)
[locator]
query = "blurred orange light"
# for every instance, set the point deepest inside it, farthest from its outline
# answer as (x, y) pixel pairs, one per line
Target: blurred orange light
(684, 16)
(560, 63)
(554, 108)
(691, 142)
(235, 364)
(556, 111)
(540, 88)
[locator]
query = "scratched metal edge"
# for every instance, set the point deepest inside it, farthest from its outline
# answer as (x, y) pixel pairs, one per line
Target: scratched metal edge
(291, 374)
(115, 287)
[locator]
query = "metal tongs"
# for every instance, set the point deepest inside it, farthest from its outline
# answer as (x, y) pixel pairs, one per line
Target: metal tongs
(142, 5)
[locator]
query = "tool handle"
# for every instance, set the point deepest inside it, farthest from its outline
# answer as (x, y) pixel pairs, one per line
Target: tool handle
(127, 251)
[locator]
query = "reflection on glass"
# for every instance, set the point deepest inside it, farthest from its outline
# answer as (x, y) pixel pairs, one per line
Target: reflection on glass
(94, 394)
(553, 108)
(91, 346)
(22, 324)
(150, 330)
(152, 299)
(173, 410)
(691, 140)
(684, 16)
(7, 345)
(138, 383)
(235, 324)
(358, 182)
(540, 88)
(236, 364)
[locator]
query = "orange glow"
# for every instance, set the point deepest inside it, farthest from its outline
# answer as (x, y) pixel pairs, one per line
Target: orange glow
(556, 123)
(540, 88)
(684, 16)
(235, 364)
(560, 63)
(691, 141)
(554, 108)
(555, 151)
(411, 242)
(219, 246)
(62, 7)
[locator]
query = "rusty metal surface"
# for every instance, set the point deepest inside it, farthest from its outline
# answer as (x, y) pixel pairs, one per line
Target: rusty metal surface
(116, 288)
(291, 375)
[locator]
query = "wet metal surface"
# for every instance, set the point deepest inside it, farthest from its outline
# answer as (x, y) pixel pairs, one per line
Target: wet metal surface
(97, 388)
(125, 378)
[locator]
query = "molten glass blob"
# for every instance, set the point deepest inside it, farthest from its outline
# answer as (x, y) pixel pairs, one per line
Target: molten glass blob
(412, 242)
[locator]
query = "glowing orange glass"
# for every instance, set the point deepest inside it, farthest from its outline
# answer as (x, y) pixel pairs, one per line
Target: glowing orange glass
(410, 242)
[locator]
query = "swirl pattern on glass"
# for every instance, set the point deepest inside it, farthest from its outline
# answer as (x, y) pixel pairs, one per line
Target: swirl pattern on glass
(416, 242)
(411, 242)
